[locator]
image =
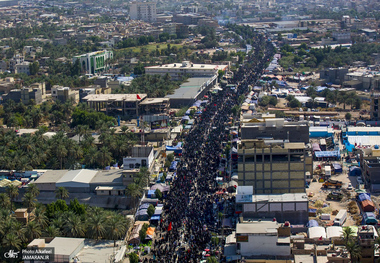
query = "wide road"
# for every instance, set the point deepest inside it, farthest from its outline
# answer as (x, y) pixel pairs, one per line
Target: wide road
(183, 233)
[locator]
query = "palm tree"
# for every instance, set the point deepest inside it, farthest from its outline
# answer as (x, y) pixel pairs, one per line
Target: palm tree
(11, 240)
(348, 234)
(5, 201)
(62, 193)
(96, 225)
(61, 152)
(116, 227)
(12, 192)
(74, 226)
(354, 249)
(104, 157)
(51, 231)
(134, 191)
(40, 218)
(32, 230)
(29, 201)
(33, 190)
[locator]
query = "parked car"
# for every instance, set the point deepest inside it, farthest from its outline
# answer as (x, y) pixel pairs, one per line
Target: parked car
(349, 187)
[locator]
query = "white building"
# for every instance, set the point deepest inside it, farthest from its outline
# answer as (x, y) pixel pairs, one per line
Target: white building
(261, 238)
(145, 11)
(176, 70)
(142, 156)
(23, 67)
(94, 62)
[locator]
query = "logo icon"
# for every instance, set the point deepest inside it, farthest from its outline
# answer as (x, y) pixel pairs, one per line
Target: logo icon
(11, 254)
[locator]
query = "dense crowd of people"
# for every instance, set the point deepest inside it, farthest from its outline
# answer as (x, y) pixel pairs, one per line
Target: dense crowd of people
(183, 232)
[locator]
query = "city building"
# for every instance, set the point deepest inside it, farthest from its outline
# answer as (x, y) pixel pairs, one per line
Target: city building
(22, 67)
(176, 70)
(333, 75)
(142, 156)
(145, 11)
(192, 90)
(374, 106)
(273, 166)
(64, 94)
(115, 104)
(283, 207)
(277, 129)
(24, 95)
(367, 236)
(262, 239)
(94, 62)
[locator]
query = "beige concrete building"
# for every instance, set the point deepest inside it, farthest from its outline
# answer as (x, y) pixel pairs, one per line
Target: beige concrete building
(273, 167)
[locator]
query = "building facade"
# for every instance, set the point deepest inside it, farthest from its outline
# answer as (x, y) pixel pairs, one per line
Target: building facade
(273, 167)
(94, 62)
(177, 70)
(145, 11)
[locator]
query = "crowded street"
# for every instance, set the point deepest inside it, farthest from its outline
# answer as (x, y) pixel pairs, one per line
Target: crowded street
(184, 230)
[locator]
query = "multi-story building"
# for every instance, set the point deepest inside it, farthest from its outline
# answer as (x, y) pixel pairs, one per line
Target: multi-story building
(261, 239)
(374, 108)
(367, 235)
(24, 95)
(277, 129)
(22, 67)
(273, 166)
(94, 62)
(177, 70)
(145, 11)
(64, 94)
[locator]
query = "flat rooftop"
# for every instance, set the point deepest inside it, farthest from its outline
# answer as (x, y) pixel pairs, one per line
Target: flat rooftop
(114, 97)
(108, 177)
(65, 245)
(100, 251)
(51, 176)
(189, 89)
(189, 66)
(150, 101)
(271, 198)
(263, 227)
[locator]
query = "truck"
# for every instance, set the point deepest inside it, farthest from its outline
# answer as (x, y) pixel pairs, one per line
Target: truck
(332, 183)
(340, 218)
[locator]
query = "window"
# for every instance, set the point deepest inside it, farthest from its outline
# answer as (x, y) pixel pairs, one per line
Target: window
(131, 165)
(143, 163)
(137, 165)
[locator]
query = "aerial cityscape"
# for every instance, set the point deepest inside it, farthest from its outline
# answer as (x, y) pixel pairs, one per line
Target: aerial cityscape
(190, 131)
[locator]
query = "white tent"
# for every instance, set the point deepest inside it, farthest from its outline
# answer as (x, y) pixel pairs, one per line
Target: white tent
(316, 232)
(335, 232)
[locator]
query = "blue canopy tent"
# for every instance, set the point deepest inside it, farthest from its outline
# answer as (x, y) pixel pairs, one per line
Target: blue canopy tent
(327, 154)
(369, 218)
(337, 168)
(173, 166)
(176, 149)
(312, 223)
(355, 171)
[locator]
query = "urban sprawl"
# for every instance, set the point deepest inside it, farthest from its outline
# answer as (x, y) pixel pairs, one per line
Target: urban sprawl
(190, 131)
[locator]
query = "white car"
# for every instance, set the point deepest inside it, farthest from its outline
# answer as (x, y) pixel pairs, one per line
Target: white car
(349, 187)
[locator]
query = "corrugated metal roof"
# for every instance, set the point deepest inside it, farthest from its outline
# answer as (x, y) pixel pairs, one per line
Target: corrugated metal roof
(83, 176)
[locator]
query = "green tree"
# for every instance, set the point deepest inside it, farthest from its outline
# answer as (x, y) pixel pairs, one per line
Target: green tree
(212, 259)
(12, 192)
(170, 157)
(133, 258)
(34, 68)
(33, 190)
(32, 230)
(51, 231)
(273, 101)
(348, 116)
(96, 225)
(116, 227)
(29, 201)
(11, 240)
(354, 250)
(5, 201)
(73, 226)
(61, 193)
(158, 194)
(294, 103)
(150, 210)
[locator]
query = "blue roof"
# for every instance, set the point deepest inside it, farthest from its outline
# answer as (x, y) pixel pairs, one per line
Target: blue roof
(325, 154)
